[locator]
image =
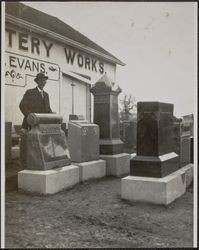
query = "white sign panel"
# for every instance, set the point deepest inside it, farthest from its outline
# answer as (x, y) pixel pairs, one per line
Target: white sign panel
(19, 67)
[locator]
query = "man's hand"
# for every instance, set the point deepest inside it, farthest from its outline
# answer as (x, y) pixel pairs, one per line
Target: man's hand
(22, 131)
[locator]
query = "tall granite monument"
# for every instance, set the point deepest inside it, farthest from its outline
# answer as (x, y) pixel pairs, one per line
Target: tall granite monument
(107, 117)
(155, 156)
(155, 176)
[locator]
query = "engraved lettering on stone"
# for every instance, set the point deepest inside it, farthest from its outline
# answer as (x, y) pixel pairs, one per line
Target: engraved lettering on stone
(101, 99)
(95, 130)
(84, 131)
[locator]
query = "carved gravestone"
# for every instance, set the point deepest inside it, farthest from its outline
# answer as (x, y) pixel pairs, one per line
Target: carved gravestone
(185, 150)
(83, 141)
(106, 116)
(155, 156)
(183, 142)
(177, 134)
(46, 146)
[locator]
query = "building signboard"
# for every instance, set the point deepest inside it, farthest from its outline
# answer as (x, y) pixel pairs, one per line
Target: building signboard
(18, 67)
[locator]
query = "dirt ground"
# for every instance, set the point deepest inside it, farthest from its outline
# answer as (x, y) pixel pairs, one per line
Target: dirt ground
(92, 214)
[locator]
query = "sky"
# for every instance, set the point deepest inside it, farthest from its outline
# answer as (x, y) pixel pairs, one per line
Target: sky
(156, 41)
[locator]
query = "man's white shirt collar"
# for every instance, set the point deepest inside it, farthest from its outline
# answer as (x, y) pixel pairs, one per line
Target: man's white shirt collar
(40, 90)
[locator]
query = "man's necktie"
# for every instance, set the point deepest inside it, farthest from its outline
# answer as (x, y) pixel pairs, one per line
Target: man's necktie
(42, 94)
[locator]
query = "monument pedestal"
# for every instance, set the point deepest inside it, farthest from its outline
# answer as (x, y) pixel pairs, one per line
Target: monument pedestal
(111, 147)
(48, 181)
(117, 165)
(154, 166)
(157, 190)
(91, 169)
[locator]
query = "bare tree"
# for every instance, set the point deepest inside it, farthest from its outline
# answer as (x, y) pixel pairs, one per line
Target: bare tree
(127, 104)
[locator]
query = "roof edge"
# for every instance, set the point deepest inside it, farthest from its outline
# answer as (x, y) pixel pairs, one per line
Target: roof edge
(24, 24)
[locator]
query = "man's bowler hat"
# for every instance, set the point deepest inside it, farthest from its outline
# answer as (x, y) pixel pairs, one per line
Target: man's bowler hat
(40, 76)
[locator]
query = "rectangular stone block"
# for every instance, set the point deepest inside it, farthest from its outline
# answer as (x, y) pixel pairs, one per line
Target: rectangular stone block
(177, 133)
(111, 147)
(83, 141)
(185, 150)
(154, 166)
(189, 174)
(154, 128)
(48, 181)
(117, 165)
(154, 190)
(91, 170)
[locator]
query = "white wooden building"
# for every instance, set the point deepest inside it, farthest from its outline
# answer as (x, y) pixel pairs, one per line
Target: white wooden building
(37, 42)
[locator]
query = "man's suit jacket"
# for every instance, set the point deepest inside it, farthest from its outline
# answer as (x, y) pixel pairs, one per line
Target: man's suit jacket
(33, 102)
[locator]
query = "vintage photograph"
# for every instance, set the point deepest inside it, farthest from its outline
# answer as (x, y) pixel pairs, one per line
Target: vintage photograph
(99, 119)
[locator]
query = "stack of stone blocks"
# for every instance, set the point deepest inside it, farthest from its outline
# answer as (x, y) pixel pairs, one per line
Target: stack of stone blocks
(155, 173)
(83, 141)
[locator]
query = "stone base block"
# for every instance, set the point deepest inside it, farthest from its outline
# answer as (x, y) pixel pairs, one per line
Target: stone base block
(111, 147)
(48, 181)
(117, 165)
(15, 152)
(154, 166)
(91, 169)
(189, 174)
(155, 190)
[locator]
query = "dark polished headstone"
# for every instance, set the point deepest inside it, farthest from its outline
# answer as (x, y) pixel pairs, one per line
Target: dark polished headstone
(83, 141)
(154, 128)
(188, 123)
(106, 115)
(185, 150)
(177, 133)
(155, 156)
(46, 145)
(182, 142)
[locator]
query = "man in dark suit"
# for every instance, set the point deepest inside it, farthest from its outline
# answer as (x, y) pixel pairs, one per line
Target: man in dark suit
(35, 100)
